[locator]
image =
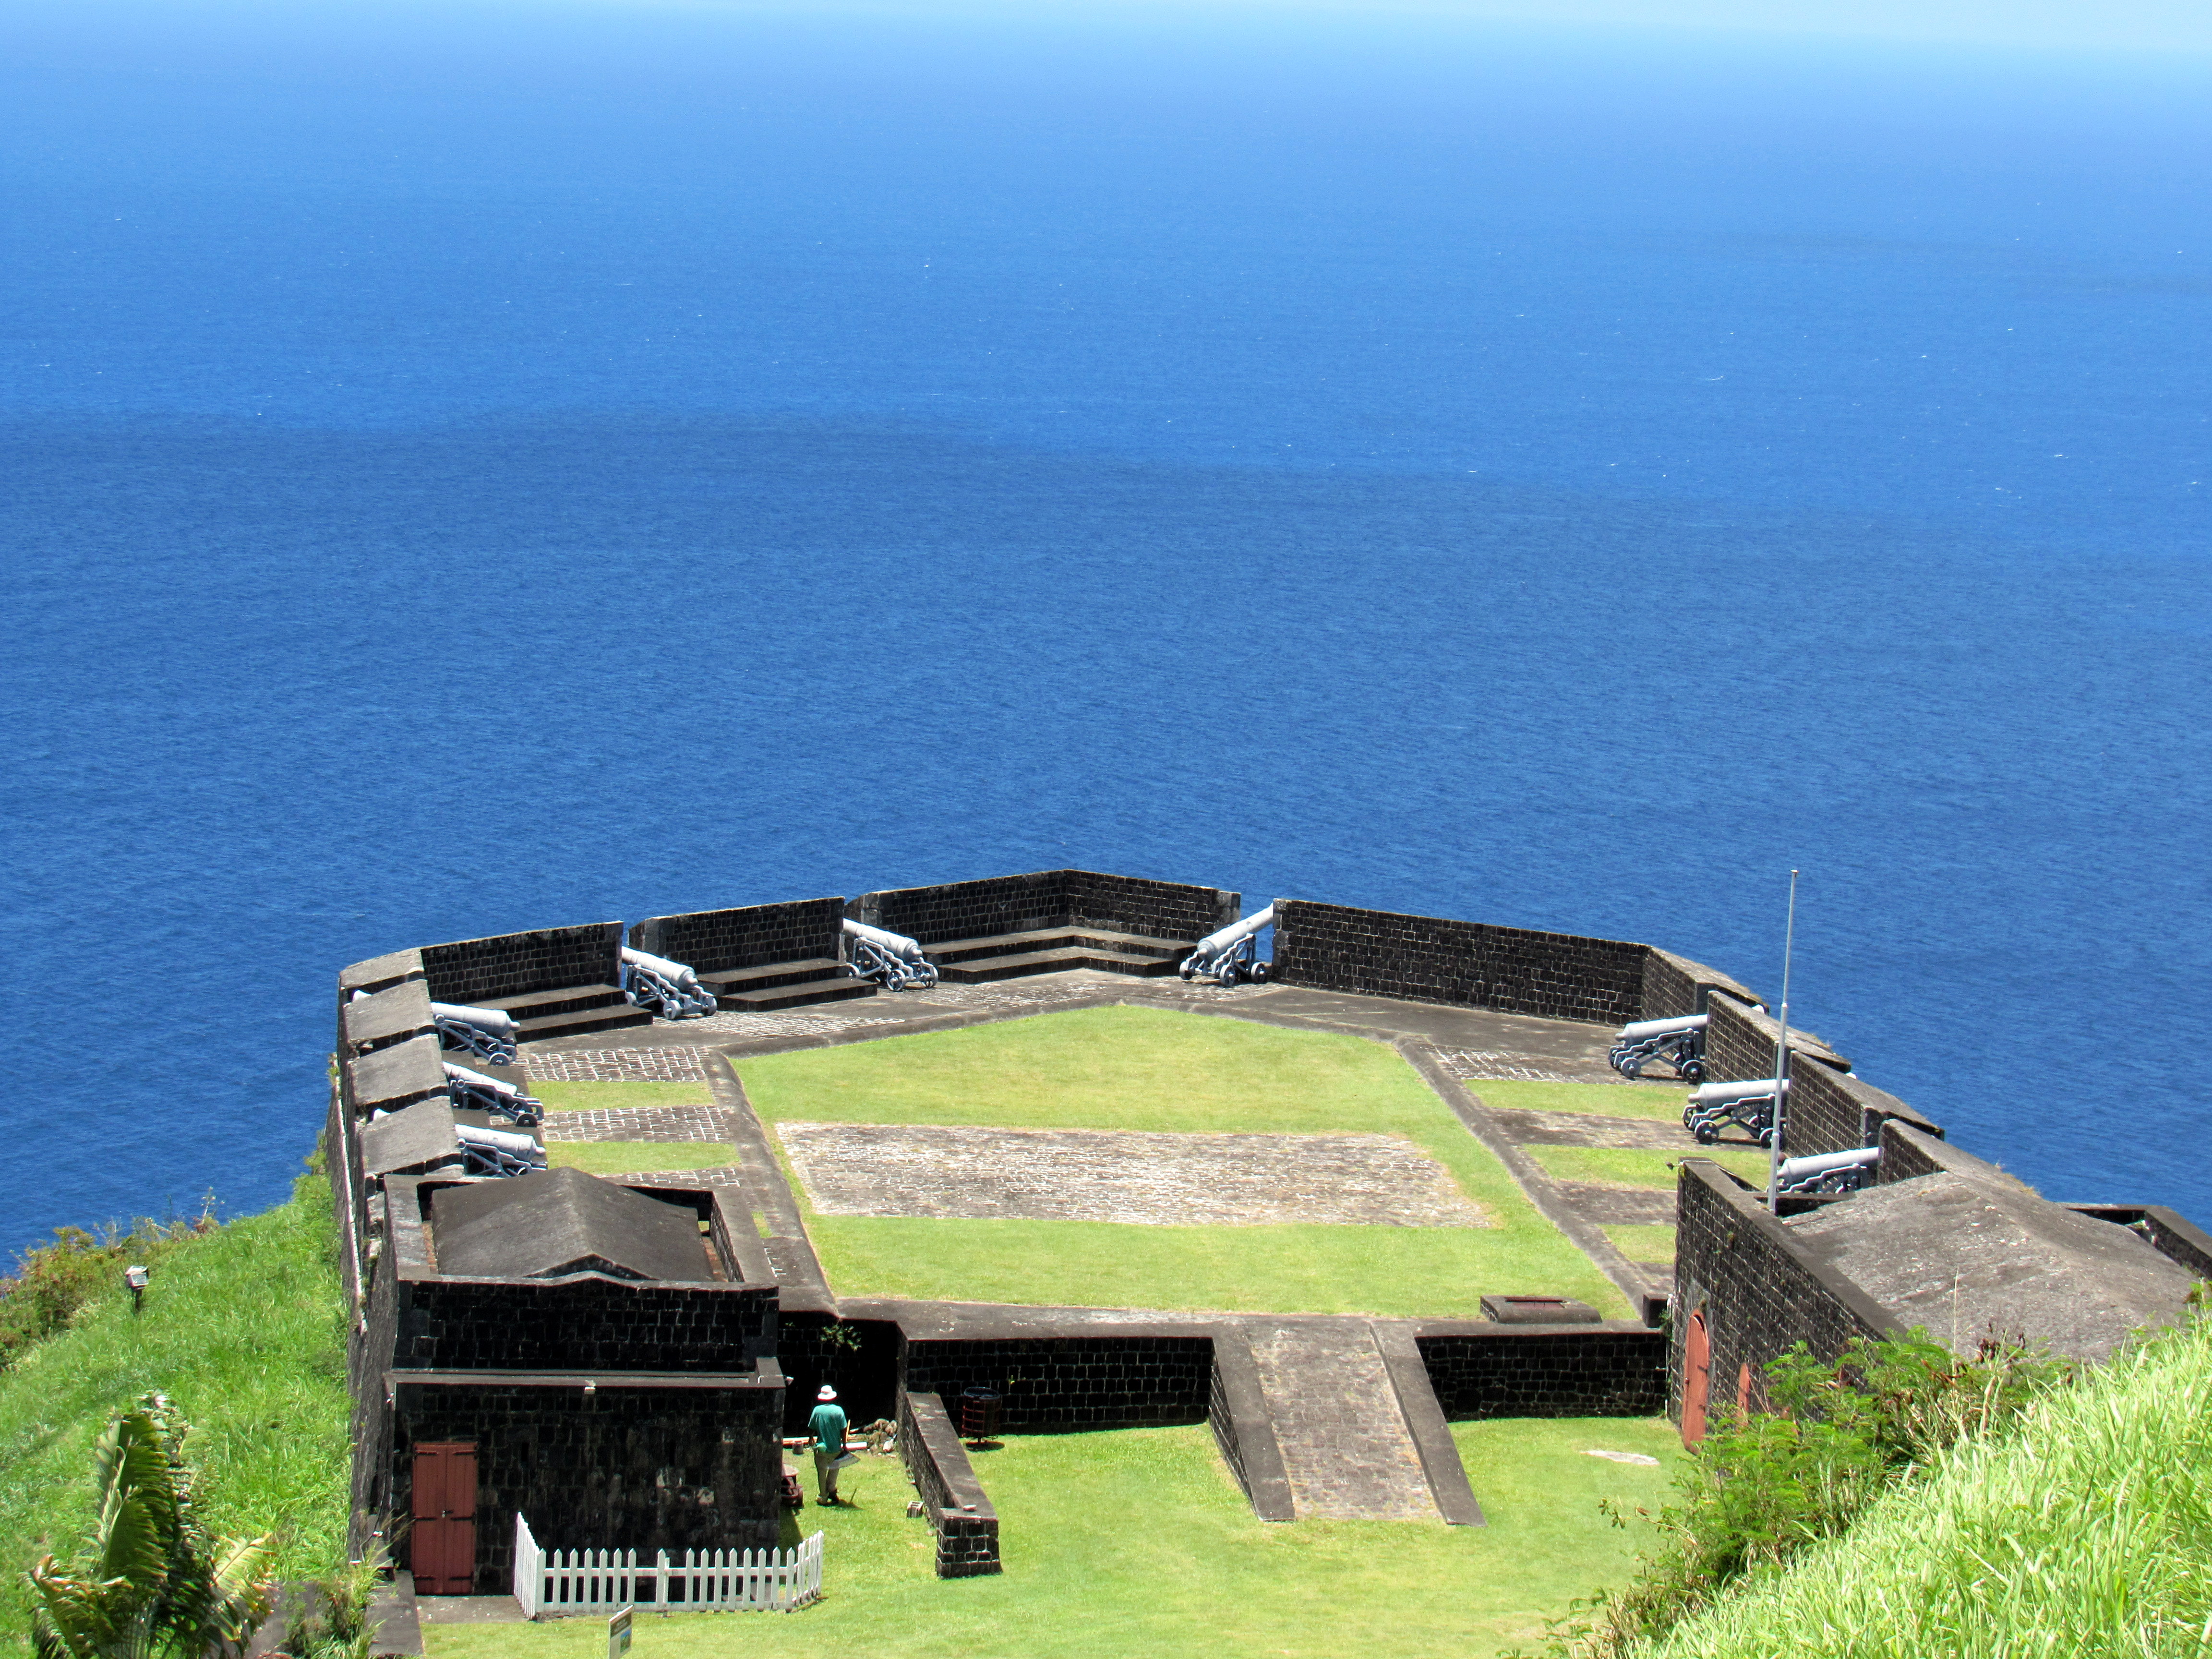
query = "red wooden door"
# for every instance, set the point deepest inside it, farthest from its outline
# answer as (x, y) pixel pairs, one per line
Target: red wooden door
(1697, 1378)
(442, 1550)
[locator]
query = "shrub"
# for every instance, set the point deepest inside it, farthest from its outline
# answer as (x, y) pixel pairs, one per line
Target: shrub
(54, 1282)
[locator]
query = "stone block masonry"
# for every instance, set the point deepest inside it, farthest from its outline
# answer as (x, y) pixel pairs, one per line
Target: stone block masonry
(966, 1525)
(1830, 1111)
(472, 970)
(757, 936)
(1047, 898)
(1121, 1380)
(1482, 1369)
(1674, 985)
(1751, 1287)
(1468, 963)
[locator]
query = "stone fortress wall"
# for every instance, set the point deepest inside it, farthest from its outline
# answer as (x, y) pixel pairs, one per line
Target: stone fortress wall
(909, 1362)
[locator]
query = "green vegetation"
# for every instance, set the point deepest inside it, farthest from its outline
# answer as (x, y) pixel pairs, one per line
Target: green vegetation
(52, 1282)
(1766, 1485)
(1643, 1243)
(1627, 1166)
(244, 1330)
(2084, 1530)
(152, 1581)
(1652, 1103)
(638, 1157)
(602, 1097)
(1151, 1069)
(1137, 1540)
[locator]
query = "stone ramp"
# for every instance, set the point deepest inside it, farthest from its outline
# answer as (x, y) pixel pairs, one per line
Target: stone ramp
(1346, 1450)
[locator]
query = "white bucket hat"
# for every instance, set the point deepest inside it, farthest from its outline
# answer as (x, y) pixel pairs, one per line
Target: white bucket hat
(828, 1393)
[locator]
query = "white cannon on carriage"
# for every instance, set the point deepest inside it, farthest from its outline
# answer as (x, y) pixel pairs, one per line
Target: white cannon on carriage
(892, 960)
(489, 1094)
(489, 1034)
(1829, 1172)
(1714, 1105)
(1233, 953)
(1679, 1041)
(498, 1151)
(671, 989)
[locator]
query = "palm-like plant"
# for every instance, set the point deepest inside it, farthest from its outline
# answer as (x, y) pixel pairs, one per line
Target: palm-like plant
(152, 1581)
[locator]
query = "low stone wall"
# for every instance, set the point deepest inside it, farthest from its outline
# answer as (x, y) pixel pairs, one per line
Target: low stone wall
(1124, 1379)
(1756, 1287)
(757, 936)
(514, 964)
(1830, 1111)
(966, 1525)
(1516, 1370)
(1047, 898)
(1237, 1409)
(1674, 985)
(1467, 963)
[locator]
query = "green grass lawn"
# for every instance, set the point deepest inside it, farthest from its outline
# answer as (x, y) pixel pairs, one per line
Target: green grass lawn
(1137, 1540)
(245, 1330)
(1152, 1069)
(1644, 1244)
(1625, 1166)
(638, 1157)
(599, 1097)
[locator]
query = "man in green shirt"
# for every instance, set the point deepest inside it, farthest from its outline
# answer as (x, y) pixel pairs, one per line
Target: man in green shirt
(827, 1426)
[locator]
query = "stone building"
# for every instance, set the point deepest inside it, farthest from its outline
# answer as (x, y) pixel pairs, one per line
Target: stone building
(599, 1359)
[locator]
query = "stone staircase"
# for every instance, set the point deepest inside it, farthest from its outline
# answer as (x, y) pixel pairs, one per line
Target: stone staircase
(1055, 949)
(775, 985)
(569, 1011)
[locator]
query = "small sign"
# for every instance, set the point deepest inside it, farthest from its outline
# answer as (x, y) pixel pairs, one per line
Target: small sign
(618, 1634)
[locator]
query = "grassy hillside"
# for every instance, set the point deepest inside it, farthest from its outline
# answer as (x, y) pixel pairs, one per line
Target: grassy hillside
(244, 1329)
(2085, 1530)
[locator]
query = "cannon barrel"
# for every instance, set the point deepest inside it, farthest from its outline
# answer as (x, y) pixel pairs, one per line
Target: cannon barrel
(478, 1081)
(1234, 934)
(518, 1146)
(497, 1021)
(1224, 952)
(1645, 1028)
(1721, 1094)
(678, 973)
(1796, 1168)
(898, 944)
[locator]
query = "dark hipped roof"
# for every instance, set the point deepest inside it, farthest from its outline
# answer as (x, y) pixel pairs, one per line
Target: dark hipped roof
(544, 1226)
(421, 1137)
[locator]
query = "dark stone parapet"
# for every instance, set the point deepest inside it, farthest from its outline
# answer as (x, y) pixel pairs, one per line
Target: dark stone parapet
(966, 1525)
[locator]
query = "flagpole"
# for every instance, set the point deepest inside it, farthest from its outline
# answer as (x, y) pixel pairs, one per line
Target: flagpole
(1782, 1060)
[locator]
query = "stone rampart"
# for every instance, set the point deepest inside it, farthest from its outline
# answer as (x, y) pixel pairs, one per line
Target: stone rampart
(1046, 899)
(756, 936)
(966, 1525)
(473, 971)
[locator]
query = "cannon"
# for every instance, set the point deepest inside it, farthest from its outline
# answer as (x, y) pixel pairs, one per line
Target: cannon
(1830, 1172)
(892, 960)
(1681, 1042)
(672, 990)
(487, 1033)
(489, 1094)
(1750, 1104)
(1233, 953)
(498, 1151)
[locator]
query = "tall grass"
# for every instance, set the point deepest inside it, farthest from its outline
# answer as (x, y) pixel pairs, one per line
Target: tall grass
(2083, 1530)
(244, 1330)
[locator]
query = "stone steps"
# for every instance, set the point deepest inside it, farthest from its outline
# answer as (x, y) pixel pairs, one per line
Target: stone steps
(778, 985)
(567, 1012)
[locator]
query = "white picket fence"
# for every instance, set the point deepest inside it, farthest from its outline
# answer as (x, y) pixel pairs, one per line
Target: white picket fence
(556, 1581)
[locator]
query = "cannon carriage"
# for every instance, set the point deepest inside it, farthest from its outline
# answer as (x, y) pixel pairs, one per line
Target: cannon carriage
(489, 1034)
(671, 989)
(1233, 953)
(1713, 1106)
(891, 960)
(1829, 1172)
(1679, 1041)
(476, 1091)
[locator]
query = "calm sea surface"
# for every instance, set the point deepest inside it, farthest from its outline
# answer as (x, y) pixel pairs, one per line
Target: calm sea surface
(476, 470)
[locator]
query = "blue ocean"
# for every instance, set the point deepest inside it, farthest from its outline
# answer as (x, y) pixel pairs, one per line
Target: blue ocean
(481, 467)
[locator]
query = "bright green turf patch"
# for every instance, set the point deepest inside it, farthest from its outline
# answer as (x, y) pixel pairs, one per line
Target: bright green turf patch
(637, 1157)
(1153, 1069)
(1624, 1166)
(245, 1330)
(1644, 1244)
(1137, 1540)
(600, 1097)
(1653, 1103)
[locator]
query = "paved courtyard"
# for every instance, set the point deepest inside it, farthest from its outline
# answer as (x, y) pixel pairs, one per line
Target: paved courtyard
(953, 1171)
